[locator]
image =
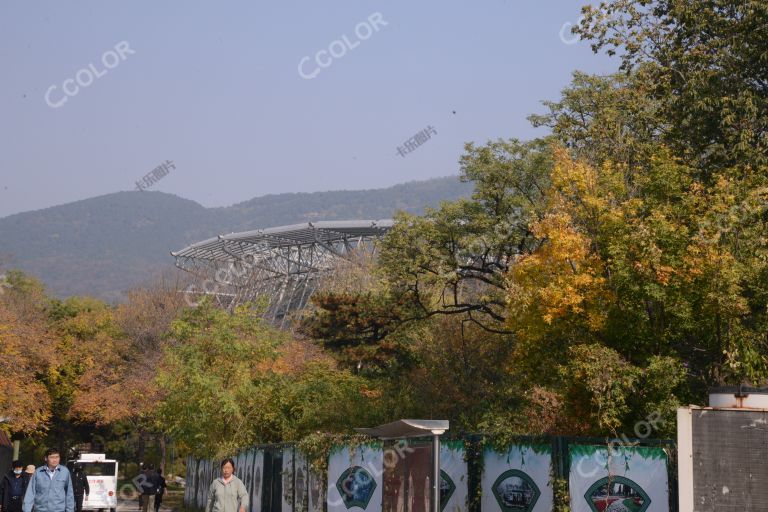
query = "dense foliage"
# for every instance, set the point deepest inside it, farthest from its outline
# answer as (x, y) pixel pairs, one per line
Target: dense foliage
(594, 279)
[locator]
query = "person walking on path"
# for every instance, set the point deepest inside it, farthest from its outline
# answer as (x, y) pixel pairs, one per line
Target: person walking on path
(80, 486)
(13, 487)
(161, 485)
(227, 493)
(50, 488)
(149, 489)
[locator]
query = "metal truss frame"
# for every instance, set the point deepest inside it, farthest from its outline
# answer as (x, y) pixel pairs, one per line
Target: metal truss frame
(280, 266)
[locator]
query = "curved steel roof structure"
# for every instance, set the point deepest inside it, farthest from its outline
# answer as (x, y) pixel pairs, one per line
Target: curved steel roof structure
(281, 265)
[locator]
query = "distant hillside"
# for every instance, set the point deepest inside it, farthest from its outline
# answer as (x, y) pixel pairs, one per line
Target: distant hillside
(280, 209)
(107, 244)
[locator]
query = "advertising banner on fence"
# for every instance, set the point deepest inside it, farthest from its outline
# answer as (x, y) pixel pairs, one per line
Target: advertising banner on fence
(205, 482)
(354, 478)
(300, 481)
(316, 491)
(190, 484)
(202, 478)
(518, 479)
(624, 479)
(287, 476)
(257, 477)
(240, 465)
(453, 477)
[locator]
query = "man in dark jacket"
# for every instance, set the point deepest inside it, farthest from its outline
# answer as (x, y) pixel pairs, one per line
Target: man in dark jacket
(80, 486)
(149, 486)
(160, 489)
(13, 487)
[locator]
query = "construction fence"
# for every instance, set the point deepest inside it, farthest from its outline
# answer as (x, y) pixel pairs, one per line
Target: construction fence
(528, 475)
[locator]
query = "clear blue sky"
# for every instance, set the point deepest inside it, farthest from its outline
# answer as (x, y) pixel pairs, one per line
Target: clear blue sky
(215, 87)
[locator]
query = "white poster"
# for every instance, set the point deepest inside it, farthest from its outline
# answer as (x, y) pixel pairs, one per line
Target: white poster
(316, 491)
(210, 468)
(207, 479)
(454, 488)
(628, 479)
(201, 486)
(248, 476)
(354, 478)
(257, 477)
(189, 483)
(239, 465)
(287, 476)
(300, 481)
(518, 479)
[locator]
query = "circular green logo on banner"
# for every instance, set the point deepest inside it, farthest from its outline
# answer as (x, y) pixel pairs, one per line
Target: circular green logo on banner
(618, 494)
(515, 491)
(356, 486)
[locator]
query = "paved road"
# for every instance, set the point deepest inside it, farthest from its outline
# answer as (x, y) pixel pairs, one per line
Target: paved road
(133, 506)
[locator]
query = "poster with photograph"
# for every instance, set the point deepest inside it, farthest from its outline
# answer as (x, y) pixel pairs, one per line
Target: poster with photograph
(623, 479)
(518, 479)
(354, 478)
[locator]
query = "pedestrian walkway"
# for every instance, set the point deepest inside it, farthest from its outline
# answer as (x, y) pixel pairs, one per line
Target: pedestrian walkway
(133, 506)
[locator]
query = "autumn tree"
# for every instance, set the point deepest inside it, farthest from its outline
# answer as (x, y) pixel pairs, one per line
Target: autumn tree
(231, 380)
(25, 356)
(707, 64)
(82, 330)
(119, 388)
(450, 261)
(613, 118)
(648, 279)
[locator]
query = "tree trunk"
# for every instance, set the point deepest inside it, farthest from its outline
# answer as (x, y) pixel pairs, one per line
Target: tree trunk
(162, 452)
(141, 448)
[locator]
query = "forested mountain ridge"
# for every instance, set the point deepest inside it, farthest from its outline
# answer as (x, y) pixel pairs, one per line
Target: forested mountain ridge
(104, 245)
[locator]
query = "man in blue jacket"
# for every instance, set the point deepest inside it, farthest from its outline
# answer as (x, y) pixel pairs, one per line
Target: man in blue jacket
(50, 487)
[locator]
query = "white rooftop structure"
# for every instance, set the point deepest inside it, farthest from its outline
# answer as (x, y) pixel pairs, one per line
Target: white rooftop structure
(281, 264)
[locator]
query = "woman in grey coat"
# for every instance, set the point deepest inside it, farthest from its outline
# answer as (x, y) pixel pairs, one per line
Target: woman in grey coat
(227, 493)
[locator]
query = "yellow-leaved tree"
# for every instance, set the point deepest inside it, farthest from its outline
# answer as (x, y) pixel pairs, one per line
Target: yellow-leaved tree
(638, 283)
